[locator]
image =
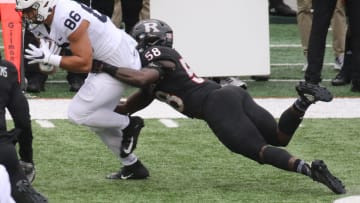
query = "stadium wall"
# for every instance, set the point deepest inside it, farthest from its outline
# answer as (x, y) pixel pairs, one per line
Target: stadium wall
(219, 38)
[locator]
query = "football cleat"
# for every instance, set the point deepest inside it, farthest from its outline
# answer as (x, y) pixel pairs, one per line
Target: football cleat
(312, 93)
(130, 136)
(29, 170)
(26, 193)
(135, 171)
(320, 173)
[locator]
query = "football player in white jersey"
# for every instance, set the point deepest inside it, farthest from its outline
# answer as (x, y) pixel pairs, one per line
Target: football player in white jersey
(90, 35)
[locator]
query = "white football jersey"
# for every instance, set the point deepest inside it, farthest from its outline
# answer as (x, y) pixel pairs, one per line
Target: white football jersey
(104, 36)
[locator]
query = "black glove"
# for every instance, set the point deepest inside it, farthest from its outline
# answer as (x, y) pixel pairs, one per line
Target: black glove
(97, 66)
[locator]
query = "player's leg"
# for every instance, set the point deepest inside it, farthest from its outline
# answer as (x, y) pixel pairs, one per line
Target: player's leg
(132, 167)
(21, 188)
(98, 113)
(318, 170)
(19, 110)
(266, 123)
(225, 114)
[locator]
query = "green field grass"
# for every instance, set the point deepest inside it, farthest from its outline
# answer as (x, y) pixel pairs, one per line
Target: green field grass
(188, 164)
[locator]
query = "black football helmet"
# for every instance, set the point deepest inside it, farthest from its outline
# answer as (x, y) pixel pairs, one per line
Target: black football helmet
(152, 32)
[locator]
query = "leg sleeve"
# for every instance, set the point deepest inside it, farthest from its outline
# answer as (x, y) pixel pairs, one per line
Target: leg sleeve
(19, 109)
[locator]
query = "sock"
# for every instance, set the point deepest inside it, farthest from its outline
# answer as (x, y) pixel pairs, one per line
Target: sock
(302, 167)
(129, 160)
(301, 104)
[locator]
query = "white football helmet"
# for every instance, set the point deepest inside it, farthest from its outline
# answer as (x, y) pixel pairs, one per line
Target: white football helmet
(43, 7)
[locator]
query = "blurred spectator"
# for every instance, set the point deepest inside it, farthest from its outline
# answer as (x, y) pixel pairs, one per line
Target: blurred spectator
(15, 180)
(323, 11)
(279, 8)
(344, 76)
(145, 11)
(338, 24)
(128, 12)
(350, 72)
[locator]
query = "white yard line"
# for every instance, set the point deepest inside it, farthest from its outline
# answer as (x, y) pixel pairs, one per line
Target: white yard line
(45, 109)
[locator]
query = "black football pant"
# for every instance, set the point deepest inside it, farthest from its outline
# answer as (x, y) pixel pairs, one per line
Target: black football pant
(323, 12)
(18, 108)
(9, 159)
(18, 180)
(243, 126)
(130, 13)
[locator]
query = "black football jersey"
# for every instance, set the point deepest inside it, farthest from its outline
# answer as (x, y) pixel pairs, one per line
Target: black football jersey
(8, 78)
(181, 88)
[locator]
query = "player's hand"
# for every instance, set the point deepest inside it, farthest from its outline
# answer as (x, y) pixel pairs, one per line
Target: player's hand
(47, 53)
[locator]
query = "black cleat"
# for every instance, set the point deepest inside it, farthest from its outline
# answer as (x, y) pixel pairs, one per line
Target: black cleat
(135, 171)
(130, 136)
(320, 173)
(26, 193)
(312, 93)
(340, 80)
(29, 170)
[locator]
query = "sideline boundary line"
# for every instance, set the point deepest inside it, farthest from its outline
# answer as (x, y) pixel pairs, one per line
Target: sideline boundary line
(338, 108)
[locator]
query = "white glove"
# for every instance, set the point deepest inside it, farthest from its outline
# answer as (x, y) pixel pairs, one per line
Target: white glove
(47, 53)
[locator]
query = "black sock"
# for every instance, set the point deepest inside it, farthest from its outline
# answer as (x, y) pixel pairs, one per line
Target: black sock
(302, 167)
(301, 104)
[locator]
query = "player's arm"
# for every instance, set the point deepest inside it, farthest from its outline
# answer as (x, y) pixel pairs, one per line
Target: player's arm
(135, 102)
(138, 78)
(80, 45)
(81, 49)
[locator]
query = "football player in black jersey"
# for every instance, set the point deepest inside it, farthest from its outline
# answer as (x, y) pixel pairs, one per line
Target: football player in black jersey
(239, 123)
(13, 99)
(21, 189)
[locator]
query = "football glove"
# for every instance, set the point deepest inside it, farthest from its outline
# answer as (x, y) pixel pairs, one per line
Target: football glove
(47, 53)
(97, 66)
